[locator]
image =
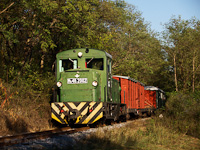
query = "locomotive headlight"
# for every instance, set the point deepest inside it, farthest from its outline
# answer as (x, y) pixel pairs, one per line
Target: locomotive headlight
(80, 54)
(59, 84)
(94, 83)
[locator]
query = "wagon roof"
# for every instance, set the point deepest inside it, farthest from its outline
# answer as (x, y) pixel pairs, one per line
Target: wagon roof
(129, 78)
(153, 88)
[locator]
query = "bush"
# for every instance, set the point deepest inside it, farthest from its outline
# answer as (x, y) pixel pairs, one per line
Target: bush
(26, 104)
(183, 113)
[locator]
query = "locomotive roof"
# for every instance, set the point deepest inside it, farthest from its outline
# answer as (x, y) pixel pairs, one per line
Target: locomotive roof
(129, 78)
(153, 88)
(107, 54)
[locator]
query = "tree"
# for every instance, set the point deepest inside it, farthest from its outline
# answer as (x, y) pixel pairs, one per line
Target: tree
(182, 47)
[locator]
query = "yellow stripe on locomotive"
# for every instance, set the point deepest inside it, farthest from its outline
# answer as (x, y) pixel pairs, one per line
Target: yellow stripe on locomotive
(77, 112)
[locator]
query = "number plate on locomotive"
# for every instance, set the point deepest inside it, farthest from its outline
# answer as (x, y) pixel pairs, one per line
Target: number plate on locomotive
(77, 80)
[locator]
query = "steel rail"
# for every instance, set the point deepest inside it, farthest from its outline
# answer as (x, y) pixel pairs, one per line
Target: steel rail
(27, 137)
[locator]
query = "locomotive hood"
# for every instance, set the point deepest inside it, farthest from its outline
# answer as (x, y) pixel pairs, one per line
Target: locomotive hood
(81, 85)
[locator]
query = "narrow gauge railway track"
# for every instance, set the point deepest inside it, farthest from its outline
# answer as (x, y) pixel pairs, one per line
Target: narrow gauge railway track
(23, 138)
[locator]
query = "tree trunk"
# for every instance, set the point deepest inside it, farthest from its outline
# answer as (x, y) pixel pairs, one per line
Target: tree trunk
(42, 61)
(175, 73)
(193, 74)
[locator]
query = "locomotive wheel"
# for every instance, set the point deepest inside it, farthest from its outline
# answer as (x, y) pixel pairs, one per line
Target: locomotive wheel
(149, 113)
(123, 118)
(128, 116)
(99, 123)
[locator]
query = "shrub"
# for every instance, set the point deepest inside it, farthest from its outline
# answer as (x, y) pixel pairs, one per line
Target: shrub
(183, 113)
(26, 104)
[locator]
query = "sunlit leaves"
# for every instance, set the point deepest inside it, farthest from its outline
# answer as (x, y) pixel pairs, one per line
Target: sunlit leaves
(182, 40)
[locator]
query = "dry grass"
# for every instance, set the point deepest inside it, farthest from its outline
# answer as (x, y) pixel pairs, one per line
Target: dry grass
(141, 136)
(16, 120)
(25, 111)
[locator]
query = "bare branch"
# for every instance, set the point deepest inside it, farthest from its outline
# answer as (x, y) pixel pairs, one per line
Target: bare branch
(7, 8)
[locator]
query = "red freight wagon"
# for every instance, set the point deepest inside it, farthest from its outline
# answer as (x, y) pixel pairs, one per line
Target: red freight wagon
(154, 97)
(132, 94)
(150, 99)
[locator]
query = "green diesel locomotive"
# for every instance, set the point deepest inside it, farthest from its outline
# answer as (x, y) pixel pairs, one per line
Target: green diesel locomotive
(86, 91)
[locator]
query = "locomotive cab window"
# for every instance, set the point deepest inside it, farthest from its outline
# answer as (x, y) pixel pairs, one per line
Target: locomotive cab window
(94, 63)
(67, 64)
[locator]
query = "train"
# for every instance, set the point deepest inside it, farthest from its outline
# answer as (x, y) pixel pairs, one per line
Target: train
(87, 93)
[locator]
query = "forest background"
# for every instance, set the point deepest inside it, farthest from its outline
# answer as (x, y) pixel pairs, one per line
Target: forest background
(33, 32)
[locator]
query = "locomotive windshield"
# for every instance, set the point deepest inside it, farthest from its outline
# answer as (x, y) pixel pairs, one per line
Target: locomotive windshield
(94, 63)
(67, 64)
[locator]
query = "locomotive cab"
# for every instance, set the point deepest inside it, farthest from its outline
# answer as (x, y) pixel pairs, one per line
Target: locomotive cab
(81, 75)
